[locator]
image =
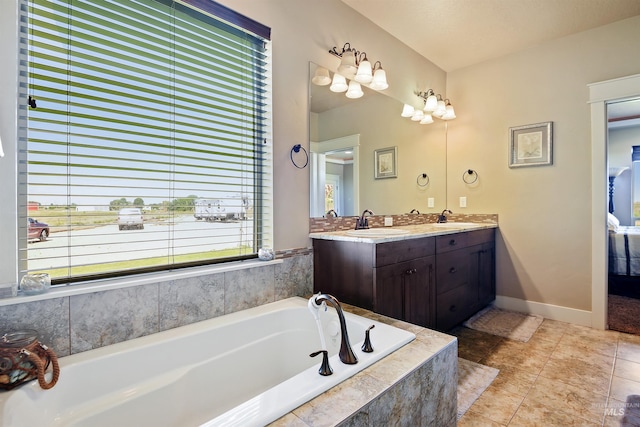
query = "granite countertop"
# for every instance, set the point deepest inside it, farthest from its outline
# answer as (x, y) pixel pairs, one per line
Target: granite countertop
(404, 232)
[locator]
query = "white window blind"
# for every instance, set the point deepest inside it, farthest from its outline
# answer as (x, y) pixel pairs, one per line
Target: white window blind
(144, 104)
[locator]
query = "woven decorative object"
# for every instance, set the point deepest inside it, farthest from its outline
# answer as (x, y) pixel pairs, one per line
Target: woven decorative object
(24, 358)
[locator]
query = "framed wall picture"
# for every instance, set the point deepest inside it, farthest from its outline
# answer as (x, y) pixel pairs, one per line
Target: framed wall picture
(386, 163)
(531, 145)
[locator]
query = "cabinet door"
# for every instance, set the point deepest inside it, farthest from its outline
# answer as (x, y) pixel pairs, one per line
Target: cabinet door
(486, 274)
(420, 290)
(405, 291)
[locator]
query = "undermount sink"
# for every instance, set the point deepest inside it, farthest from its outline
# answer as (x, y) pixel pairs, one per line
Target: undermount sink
(377, 232)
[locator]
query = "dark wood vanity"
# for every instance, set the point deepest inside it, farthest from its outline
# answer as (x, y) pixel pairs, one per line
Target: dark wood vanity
(436, 280)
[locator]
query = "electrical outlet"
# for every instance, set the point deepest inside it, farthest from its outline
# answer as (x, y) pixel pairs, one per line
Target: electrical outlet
(388, 221)
(431, 202)
(463, 202)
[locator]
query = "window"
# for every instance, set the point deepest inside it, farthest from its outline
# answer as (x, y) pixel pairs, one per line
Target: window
(147, 142)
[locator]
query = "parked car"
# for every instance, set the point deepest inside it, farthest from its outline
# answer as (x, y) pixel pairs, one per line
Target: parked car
(130, 218)
(37, 230)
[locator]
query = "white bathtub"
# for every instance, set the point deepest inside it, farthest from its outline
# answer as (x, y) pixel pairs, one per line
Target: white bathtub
(247, 368)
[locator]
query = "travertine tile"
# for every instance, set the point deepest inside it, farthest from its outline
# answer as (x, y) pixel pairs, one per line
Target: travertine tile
(580, 402)
(514, 380)
(627, 369)
(104, 318)
(585, 343)
(339, 402)
(621, 388)
(497, 404)
(247, 289)
(535, 414)
(629, 348)
(474, 419)
(49, 318)
(192, 300)
(577, 372)
(551, 330)
(517, 355)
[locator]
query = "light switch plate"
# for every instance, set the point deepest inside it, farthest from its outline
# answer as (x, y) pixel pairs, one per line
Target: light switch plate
(431, 202)
(388, 221)
(463, 202)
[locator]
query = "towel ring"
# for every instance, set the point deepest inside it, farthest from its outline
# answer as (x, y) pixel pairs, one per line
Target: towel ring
(473, 176)
(296, 148)
(425, 179)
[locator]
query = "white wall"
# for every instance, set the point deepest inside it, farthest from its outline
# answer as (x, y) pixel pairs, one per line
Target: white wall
(544, 252)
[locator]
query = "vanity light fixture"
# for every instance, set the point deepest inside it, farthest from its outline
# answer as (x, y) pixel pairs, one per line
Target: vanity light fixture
(379, 81)
(434, 106)
(356, 67)
(354, 90)
(339, 83)
(321, 77)
(407, 110)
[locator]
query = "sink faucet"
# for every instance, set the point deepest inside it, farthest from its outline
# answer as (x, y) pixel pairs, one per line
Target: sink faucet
(362, 222)
(331, 212)
(346, 353)
(414, 211)
(443, 216)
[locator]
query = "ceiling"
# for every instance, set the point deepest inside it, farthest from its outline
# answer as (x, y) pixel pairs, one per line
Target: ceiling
(454, 34)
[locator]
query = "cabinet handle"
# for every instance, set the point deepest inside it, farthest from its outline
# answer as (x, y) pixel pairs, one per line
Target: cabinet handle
(453, 308)
(411, 271)
(452, 242)
(453, 270)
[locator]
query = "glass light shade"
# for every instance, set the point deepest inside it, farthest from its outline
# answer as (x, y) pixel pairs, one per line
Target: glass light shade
(450, 114)
(355, 90)
(364, 72)
(431, 104)
(407, 111)
(417, 115)
(339, 83)
(321, 77)
(440, 110)
(379, 81)
(427, 119)
(348, 63)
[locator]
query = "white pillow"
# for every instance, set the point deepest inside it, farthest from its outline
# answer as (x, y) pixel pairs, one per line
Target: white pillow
(614, 223)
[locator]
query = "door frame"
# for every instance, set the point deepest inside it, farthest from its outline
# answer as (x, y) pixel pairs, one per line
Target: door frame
(600, 94)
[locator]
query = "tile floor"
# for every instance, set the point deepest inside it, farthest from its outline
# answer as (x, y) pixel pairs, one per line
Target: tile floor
(566, 375)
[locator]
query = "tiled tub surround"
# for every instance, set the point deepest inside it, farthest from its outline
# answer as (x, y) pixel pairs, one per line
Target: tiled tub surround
(318, 225)
(79, 322)
(414, 386)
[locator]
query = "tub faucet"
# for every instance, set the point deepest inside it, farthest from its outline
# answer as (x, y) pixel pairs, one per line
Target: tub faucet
(346, 353)
(362, 222)
(333, 213)
(443, 216)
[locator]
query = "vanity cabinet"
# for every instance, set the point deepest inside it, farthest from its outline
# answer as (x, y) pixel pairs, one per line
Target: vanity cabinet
(465, 265)
(436, 282)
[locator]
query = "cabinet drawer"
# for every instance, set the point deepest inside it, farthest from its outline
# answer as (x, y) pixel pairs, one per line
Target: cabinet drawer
(451, 242)
(454, 307)
(480, 236)
(452, 270)
(403, 250)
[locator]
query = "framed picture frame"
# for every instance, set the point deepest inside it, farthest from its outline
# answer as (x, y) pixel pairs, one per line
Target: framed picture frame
(531, 145)
(386, 163)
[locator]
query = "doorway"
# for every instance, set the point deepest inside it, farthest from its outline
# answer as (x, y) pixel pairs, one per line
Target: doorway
(601, 94)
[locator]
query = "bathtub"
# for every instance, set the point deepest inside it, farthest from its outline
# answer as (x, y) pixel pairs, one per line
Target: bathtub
(246, 368)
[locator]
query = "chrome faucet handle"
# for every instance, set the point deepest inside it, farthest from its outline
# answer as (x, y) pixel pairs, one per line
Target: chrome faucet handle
(367, 347)
(325, 369)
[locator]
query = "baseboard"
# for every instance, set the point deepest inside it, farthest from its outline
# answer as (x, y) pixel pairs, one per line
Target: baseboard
(548, 311)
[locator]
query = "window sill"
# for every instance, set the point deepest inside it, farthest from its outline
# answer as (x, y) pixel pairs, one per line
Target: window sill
(137, 280)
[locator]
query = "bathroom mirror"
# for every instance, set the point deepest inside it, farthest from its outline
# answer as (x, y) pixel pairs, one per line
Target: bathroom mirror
(344, 136)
